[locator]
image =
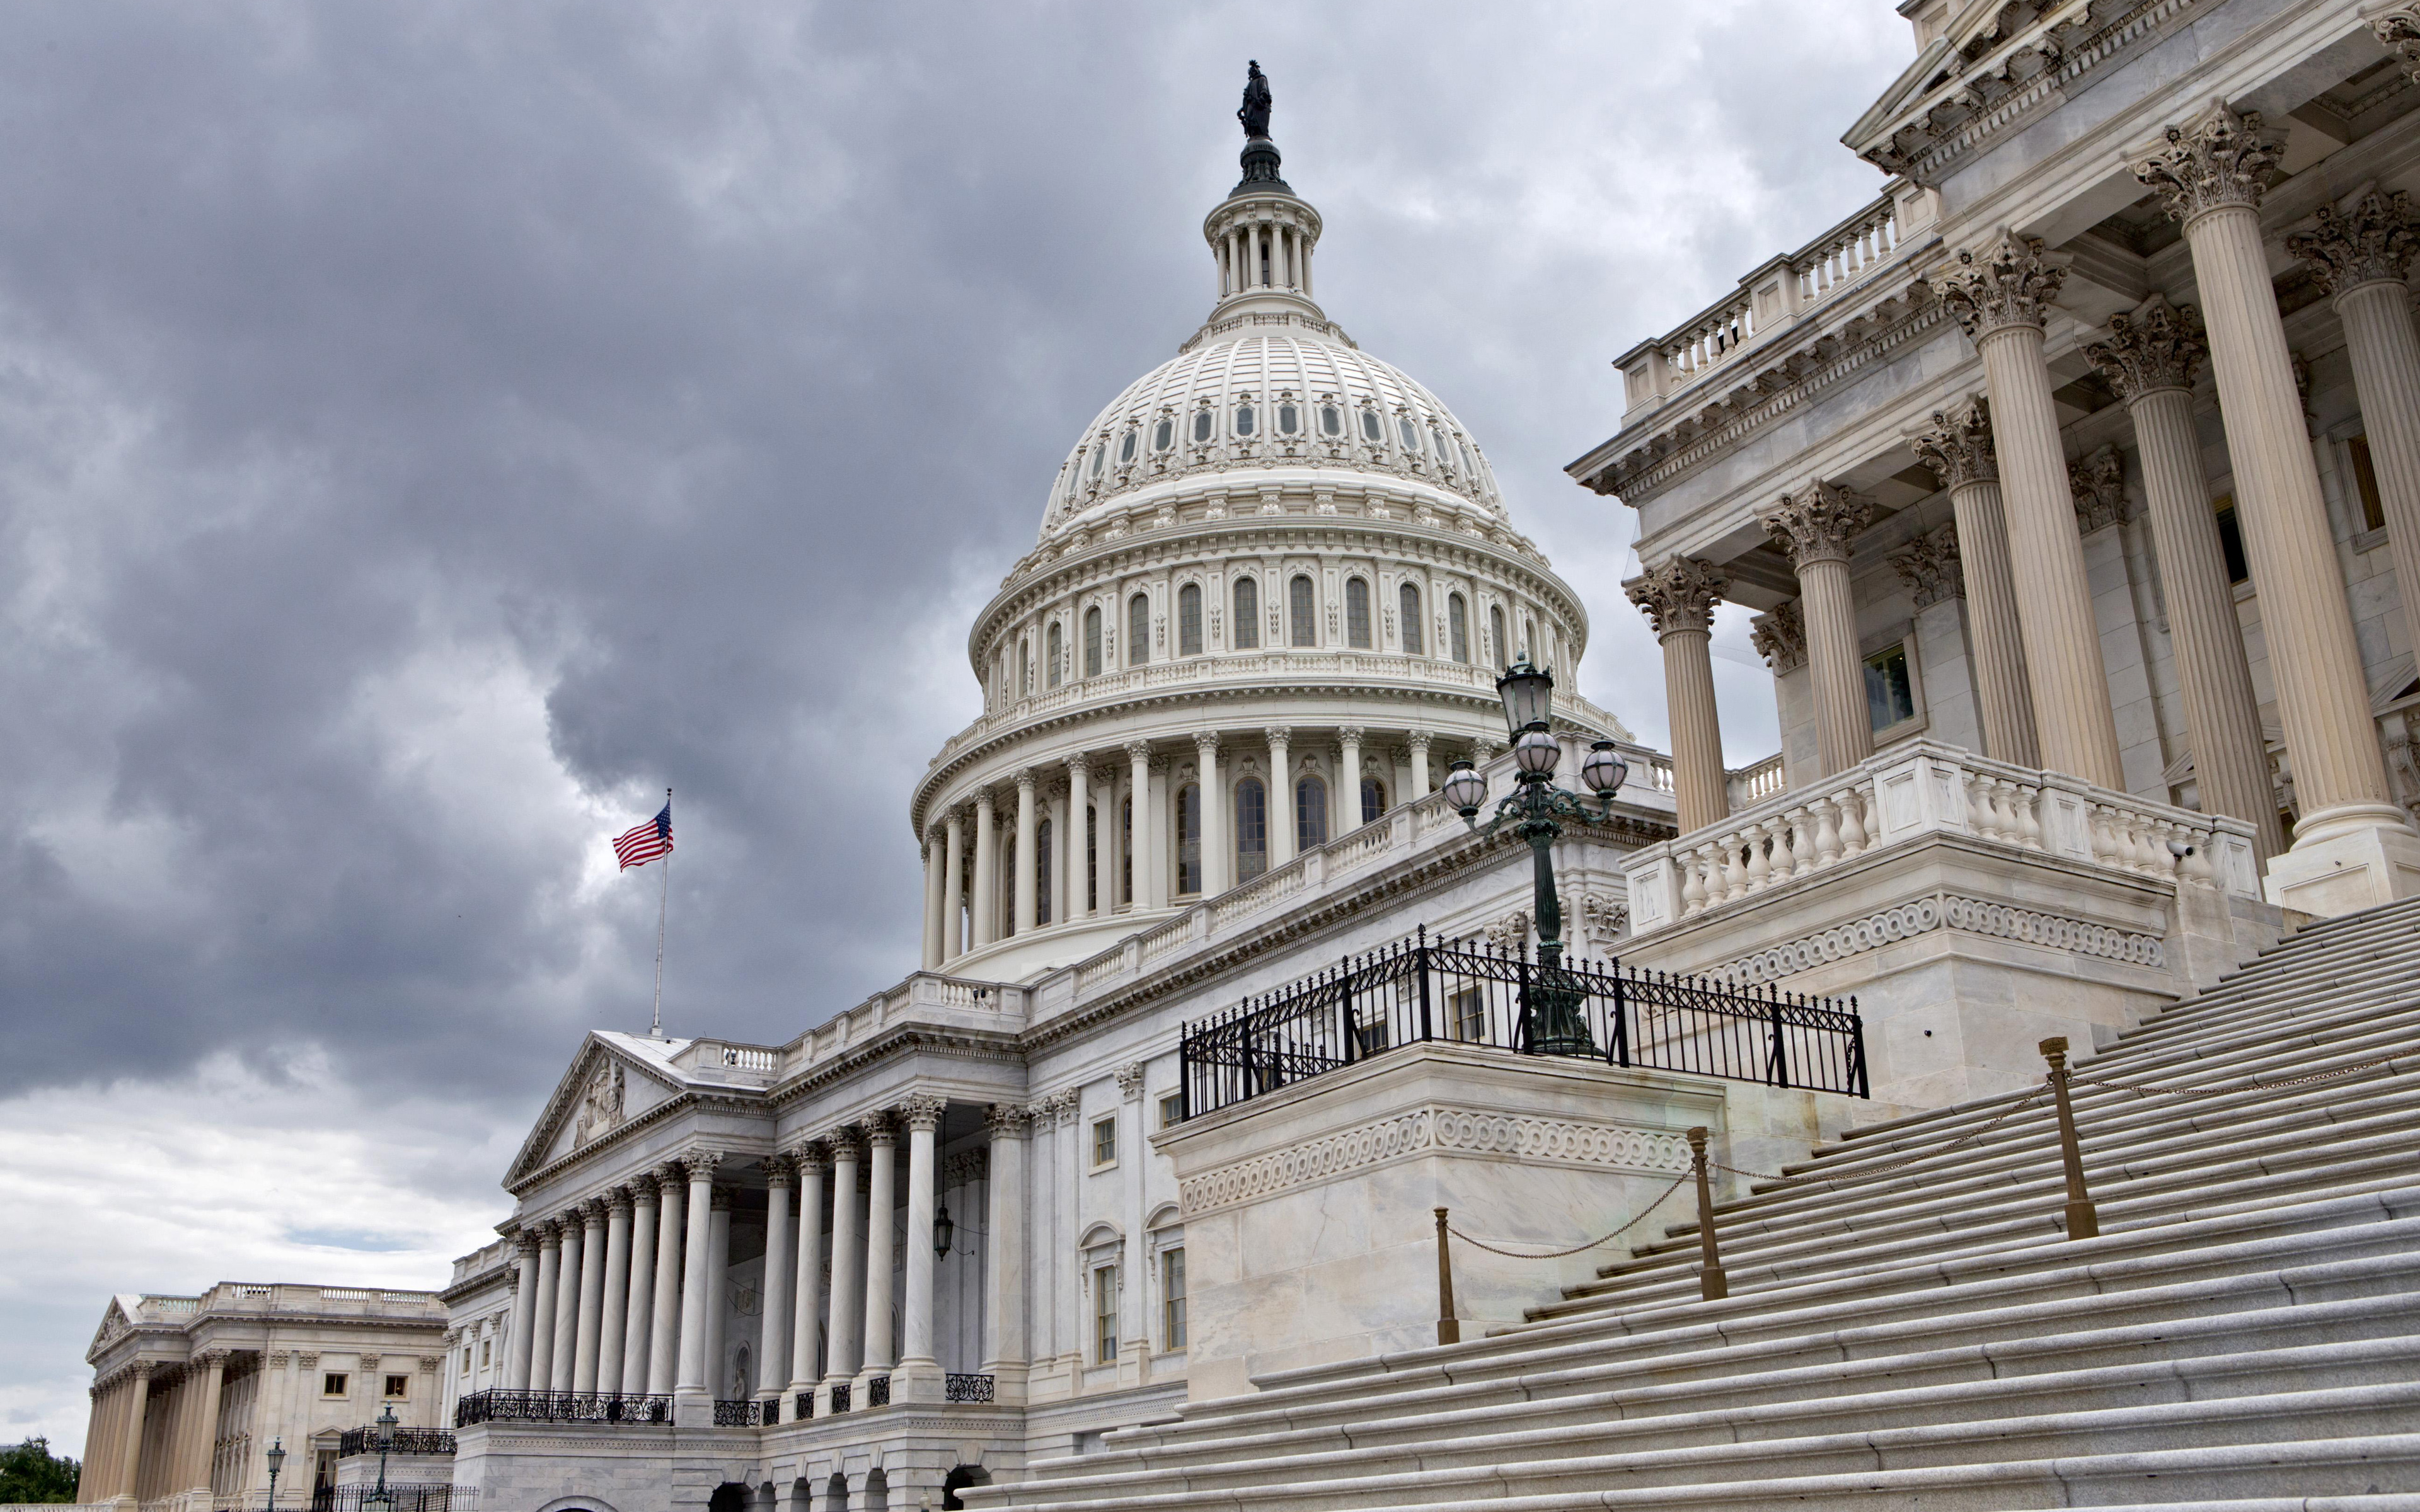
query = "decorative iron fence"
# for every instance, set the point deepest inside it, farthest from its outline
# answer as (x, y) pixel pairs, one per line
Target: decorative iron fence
(877, 1392)
(747, 1413)
(1420, 990)
(401, 1497)
(407, 1442)
(559, 1407)
(806, 1406)
(840, 1399)
(967, 1389)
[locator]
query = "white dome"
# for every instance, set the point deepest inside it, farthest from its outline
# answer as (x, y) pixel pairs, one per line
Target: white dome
(1301, 395)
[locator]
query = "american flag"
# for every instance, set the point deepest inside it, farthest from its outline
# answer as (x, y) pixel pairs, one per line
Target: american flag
(646, 841)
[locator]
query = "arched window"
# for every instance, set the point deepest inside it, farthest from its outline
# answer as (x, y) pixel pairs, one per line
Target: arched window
(1356, 613)
(1309, 814)
(1126, 851)
(1042, 872)
(1202, 423)
(1093, 641)
(1188, 838)
(1189, 619)
(1495, 636)
(1138, 631)
(1251, 829)
(1302, 613)
(1374, 799)
(1457, 627)
(1057, 654)
(1247, 636)
(1412, 641)
(1025, 667)
(743, 1374)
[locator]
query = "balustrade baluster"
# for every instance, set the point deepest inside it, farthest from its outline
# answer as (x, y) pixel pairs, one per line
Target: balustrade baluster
(1758, 870)
(1853, 829)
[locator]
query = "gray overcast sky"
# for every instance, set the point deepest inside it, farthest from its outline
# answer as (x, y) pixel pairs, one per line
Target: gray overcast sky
(426, 431)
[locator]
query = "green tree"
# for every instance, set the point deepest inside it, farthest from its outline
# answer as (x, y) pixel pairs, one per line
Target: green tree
(30, 1472)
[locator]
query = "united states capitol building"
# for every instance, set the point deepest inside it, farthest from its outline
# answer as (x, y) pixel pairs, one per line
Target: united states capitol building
(1230, 1143)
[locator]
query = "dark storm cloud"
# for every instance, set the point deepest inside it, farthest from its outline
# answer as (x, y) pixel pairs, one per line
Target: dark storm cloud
(697, 370)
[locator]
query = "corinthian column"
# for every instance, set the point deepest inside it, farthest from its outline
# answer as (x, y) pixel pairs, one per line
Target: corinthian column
(1145, 859)
(1678, 600)
(1075, 845)
(525, 1294)
(881, 1143)
(590, 1297)
(1814, 527)
(617, 1282)
(637, 1311)
(846, 1339)
(1281, 816)
(1004, 1348)
(932, 901)
(2211, 171)
(696, 1293)
(919, 1366)
(1021, 870)
(206, 1420)
(1214, 846)
(2363, 257)
(2150, 359)
(562, 1374)
(539, 1325)
(774, 1342)
(663, 1329)
(2001, 297)
(1958, 449)
(954, 894)
(811, 1163)
(987, 906)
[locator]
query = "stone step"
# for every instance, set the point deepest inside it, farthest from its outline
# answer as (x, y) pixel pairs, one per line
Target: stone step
(2283, 999)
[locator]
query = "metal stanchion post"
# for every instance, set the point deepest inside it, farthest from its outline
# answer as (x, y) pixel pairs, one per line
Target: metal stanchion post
(1448, 1326)
(2083, 1220)
(1712, 1284)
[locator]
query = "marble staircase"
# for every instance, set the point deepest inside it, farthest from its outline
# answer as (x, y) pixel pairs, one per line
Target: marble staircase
(1908, 1326)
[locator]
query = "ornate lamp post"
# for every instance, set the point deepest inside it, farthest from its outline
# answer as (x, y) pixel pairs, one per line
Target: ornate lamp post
(1551, 1024)
(381, 1498)
(276, 1457)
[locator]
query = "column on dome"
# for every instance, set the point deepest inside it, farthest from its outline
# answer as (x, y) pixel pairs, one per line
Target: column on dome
(2354, 845)
(1347, 799)
(1281, 819)
(591, 1295)
(1021, 866)
(844, 1347)
(1216, 845)
(987, 904)
(1005, 1352)
(541, 1318)
(525, 1295)
(1814, 526)
(2362, 256)
(920, 1366)
(639, 1302)
(1958, 449)
(1679, 599)
(696, 1251)
(664, 1329)
(2150, 359)
(1075, 838)
(2002, 298)
(932, 958)
(773, 1339)
(1054, 812)
(812, 1162)
(953, 882)
(615, 1281)
(1146, 894)
(1418, 742)
(881, 1142)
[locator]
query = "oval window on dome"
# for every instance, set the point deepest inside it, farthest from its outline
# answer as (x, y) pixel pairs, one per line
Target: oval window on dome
(1330, 422)
(1163, 436)
(1287, 419)
(1436, 440)
(1411, 433)
(1100, 455)
(1202, 424)
(1242, 420)
(1127, 449)
(1370, 427)
(1469, 465)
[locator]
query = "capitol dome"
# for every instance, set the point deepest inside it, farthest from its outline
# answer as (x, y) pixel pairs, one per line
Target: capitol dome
(1274, 586)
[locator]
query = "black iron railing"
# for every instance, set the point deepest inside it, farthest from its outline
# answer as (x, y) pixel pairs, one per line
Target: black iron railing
(746, 1412)
(877, 1392)
(1422, 990)
(967, 1389)
(405, 1498)
(806, 1407)
(407, 1442)
(559, 1407)
(840, 1399)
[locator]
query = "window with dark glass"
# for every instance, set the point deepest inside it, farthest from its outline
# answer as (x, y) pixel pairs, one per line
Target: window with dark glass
(1162, 435)
(1436, 444)
(1092, 643)
(1374, 799)
(1890, 697)
(1042, 872)
(1171, 1298)
(1051, 660)
(1410, 433)
(1242, 420)
(1138, 631)
(1457, 625)
(2230, 539)
(1495, 629)
(1251, 829)
(1529, 646)
(1302, 613)
(1188, 838)
(1410, 595)
(1202, 424)
(1286, 419)
(1356, 613)
(1105, 1315)
(2365, 479)
(1370, 427)
(1465, 1012)
(1248, 615)
(1025, 667)
(1092, 859)
(1331, 420)
(1310, 814)
(1189, 619)
(1126, 448)
(1126, 851)
(1100, 455)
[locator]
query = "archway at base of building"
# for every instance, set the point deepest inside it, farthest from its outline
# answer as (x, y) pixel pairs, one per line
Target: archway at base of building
(836, 1495)
(877, 1492)
(963, 1477)
(728, 1497)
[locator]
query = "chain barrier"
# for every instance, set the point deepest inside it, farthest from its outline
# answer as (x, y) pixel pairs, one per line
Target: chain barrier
(2145, 1089)
(1557, 1255)
(1967, 1138)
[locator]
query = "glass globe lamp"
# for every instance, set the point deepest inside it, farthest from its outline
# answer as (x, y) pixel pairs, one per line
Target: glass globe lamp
(1604, 771)
(1465, 788)
(1536, 752)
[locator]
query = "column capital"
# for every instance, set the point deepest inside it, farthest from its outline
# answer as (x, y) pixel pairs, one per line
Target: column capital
(878, 1130)
(920, 1112)
(700, 1164)
(1130, 1080)
(590, 1210)
(526, 1245)
(1138, 750)
(618, 1201)
(954, 816)
(1418, 739)
(2216, 159)
(2156, 346)
(2373, 242)
(1277, 734)
(550, 1230)
(1206, 743)
(777, 1172)
(2398, 30)
(2012, 282)
(1007, 1121)
(210, 1359)
(646, 1190)
(1484, 750)
(811, 1159)
(982, 802)
(844, 1143)
(1681, 595)
(1928, 565)
(1024, 777)
(1779, 636)
(2098, 486)
(1351, 732)
(1956, 446)
(1816, 523)
(672, 1175)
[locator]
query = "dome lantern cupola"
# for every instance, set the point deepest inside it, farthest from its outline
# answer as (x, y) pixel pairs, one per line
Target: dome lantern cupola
(1262, 234)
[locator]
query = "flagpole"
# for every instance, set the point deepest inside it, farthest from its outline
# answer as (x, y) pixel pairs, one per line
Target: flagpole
(664, 909)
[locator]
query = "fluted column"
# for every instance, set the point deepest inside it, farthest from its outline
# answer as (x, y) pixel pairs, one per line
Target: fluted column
(2362, 256)
(1678, 600)
(1007, 1352)
(846, 1350)
(525, 1295)
(1145, 859)
(986, 912)
(639, 1293)
(1814, 527)
(774, 1344)
(2211, 171)
(591, 1296)
(2150, 359)
(131, 1447)
(953, 891)
(203, 1442)
(663, 1331)
(1216, 847)
(918, 1364)
(696, 1250)
(616, 1283)
(881, 1143)
(1958, 449)
(1348, 786)
(1282, 831)
(931, 903)
(2002, 298)
(1021, 870)
(1076, 844)
(806, 1301)
(542, 1311)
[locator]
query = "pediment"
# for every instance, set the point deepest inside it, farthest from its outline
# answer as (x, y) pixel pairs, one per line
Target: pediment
(606, 1086)
(117, 1321)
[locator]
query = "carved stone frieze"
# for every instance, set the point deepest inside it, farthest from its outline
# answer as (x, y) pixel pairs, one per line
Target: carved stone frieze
(2398, 30)
(2158, 346)
(1948, 910)
(1779, 636)
(1681, 595)
(2012, 282)
(1928, 565)
(2215, 161)
(1956, 446)
(964, 1167)
(600, 1103)
(2372, 242)
(1816, 523)
(2098, 486)
(1604, 920)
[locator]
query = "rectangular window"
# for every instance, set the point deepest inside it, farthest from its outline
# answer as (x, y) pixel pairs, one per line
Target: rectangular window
(1356, 613)
(1105, 1142)
(1105, 1315)
(333, 1383)
(1138, 631)
(1171, 1297)
(1309, 814)
(1251, 829)
(466, 1359)
(1302, 610)
(398, 1387)
(487, 1352)
(1171, 1110)
(1458, 627)
(2230, 539)
(1126, 851)
(1189, 621)
(2365, 478)
(1092, 862)
(1247, 614)
(1466, 1011)
(1188, 840)
(1890, 698)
